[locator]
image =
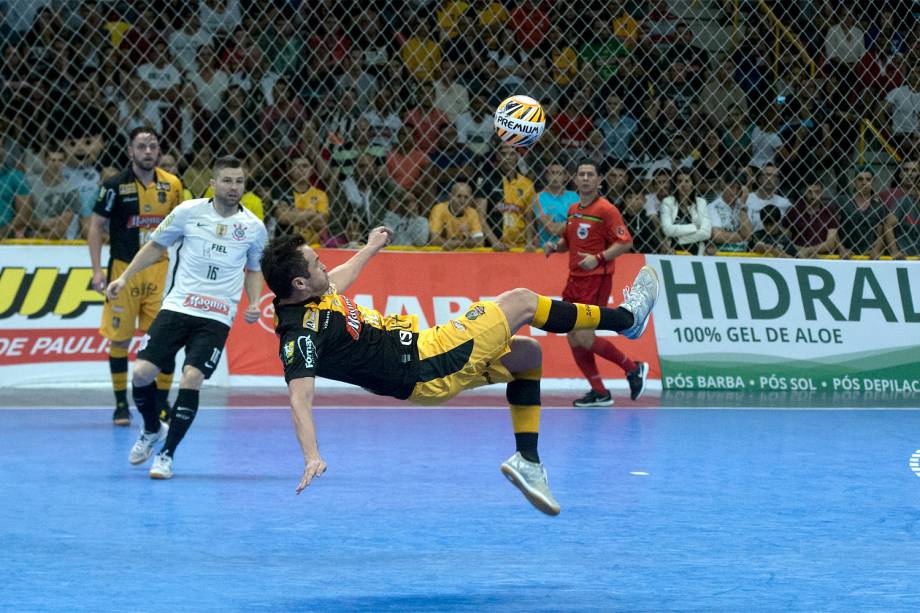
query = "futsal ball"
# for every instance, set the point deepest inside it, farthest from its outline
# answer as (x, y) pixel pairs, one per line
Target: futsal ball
(519, 121)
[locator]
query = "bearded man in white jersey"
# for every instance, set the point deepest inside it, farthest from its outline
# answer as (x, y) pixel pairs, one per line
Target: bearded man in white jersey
(221, 244)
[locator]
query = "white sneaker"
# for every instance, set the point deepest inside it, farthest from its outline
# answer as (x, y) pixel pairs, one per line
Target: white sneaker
(530, 478)
(143, 446)
(640, 300)
(162, 467)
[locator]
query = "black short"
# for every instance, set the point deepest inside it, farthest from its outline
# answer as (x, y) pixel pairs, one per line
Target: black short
(202, 338)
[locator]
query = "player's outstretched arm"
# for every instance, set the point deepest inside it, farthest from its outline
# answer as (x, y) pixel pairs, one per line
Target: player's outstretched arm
(253, 283)
(346, 274)
(301, 392)
(149, 254)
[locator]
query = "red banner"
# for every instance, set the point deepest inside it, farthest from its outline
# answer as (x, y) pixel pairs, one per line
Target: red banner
(39, 345)
(439, 286)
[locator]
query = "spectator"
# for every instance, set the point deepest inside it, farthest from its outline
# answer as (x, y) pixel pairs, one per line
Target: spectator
(805, 150)
(506, 202)
(862, 219)
(772, 239)
(601, 48)
(551, 205)
(573, 125)
(425, 120)
(449, 160)
(624, 26)
(507, 64)
(685, 50)
(492, 17)
(765, 140)
(410, 228)
(210, 81)
(344, 155)
(299, 205)
(528, 24)
(887, 28)
(139, 41)
(618, 129)
(421, 54)
(375, 45)
(632, 84)
(368, 193)
(451, 95)
(450, 17)
(720, 93)
(54, 202)
(339, 120)
(284, 46)
(162, 79)
(904, 109)
(406, 163)
(136, 111)
(383, 119)
(661, 187)
(731, 226)
(14, 199)
(902, 226)
(233, 121)
(170, 164)
(357, 79)
(645, 228)
(904, 178)
(711, 163)
(455, 224)
(767, 182)
(844, 39)
(219, 16)
(197, 175)
(736, 139)
(812, 224)
(685, 217)
(879, 71)
(317, 81)
(284, 119)
(563, 60)
(660, 24)
(185, 42)
(468, 50)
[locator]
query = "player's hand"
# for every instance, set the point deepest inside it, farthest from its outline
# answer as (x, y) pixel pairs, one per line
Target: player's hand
(379, 237)
(112, 291)
(99, 282)
(314, 467)
(589, 262)
(549, 248)
(252, 314)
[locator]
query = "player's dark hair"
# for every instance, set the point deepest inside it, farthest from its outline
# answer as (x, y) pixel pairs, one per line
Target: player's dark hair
(587, 162)
(771, 214)
(145, 129)
(282, 262)
(227, 161)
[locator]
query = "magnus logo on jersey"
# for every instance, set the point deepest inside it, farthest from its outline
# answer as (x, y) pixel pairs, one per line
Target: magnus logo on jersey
(352, 317)
(144, 221)
(239, 232)
(208, 304)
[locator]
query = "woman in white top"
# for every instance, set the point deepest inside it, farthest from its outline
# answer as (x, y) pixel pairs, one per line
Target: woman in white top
(685, 216)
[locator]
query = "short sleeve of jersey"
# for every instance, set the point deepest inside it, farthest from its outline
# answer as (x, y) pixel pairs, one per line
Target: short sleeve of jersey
(299, 354)
(172, 228)
(436, 220)
(617, 231)
(473, 221)
(254, 254)
(105, 203)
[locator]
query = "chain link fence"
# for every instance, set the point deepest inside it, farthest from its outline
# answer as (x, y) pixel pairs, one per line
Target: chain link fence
(789, 129)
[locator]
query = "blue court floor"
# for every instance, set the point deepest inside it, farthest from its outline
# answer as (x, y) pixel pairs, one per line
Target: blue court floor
(662, 510)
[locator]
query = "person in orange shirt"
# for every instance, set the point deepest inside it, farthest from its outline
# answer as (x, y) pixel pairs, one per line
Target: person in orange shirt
(406, 163)
(595, 236)
(455, 224)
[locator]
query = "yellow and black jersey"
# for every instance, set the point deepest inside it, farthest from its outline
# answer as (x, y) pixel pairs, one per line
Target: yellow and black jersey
(134, 210)
(333, 337)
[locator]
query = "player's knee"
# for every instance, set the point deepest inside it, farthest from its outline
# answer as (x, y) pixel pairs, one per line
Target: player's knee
(521, 301)
(143, 373)
(192, 378)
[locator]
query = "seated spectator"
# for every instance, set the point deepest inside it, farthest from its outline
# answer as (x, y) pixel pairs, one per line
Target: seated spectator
(455, 224)
(450, 17)
(219, 16)
(357, 79)
(162, 79)
(84, 168)
(139, 41)
(338, 121)
(812, 224)
(410, 228)
(316, 81)
(330, 42)
(573, 124)
(685, 50)
(888, 27)
(383, 119)
(562, 58)
(660, 188)
(210, 81)
(678, 88)
(767, 181)
(421, 54)
(528, 23)
(685, 219)
(14, 199)
(804, 143)
(406, 162)
(425, 120)
(731, 226)
(772, 239)
(618, 129)
(902, 226)
(506, 201)
(344, 155)
(720, 93)
(551, 205)
(879, 71)
(136, 111)
(367, 192)
(474, 127)
(904, 179)
(170, 164)
(284, 119)
(601, 48)
(766, 144)
(844, 39)
(298, 205)
(55, 203)
(451, 95)
(376, 45)
(449, 159)
(507, 64)
(492, 17)
(904, 109)
(468, 49)
(185, 42)
(644, 228)
(233, 120)
(197, 176)
(862, 219)
(283, 46)
(711, 163)
(624, 26)
(660, 24)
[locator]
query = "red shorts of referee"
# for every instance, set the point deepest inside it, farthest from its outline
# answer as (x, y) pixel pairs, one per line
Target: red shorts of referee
(594, 236)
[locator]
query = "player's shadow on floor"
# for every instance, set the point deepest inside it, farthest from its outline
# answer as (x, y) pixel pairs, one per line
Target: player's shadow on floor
(515, 598)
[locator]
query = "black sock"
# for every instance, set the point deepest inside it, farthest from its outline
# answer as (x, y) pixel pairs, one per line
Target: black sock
(526, 443)
(182, 418)
(145, 399)
(560, 316)
(121, 398)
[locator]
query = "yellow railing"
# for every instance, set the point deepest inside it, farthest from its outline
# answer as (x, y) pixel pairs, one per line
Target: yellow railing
(865, 124)
(781, 31)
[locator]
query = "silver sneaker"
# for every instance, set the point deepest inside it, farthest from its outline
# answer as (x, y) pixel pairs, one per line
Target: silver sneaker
(530, 478)
(143, 446)
(162, 467)
(640, 300)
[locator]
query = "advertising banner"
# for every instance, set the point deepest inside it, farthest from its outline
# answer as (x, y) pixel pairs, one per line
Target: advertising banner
(770, 324)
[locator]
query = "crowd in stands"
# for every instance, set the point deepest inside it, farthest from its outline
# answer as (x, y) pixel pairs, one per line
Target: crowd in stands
(352, 114)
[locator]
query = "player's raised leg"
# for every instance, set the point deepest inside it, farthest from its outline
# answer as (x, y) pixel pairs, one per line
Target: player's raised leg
(524, 469)
(144, 391)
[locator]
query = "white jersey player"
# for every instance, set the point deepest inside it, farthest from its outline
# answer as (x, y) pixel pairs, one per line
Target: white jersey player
(220, 245)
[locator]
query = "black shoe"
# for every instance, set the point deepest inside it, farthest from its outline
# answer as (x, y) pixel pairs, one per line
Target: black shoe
(636, 380)
(121, 416)
(594, 399)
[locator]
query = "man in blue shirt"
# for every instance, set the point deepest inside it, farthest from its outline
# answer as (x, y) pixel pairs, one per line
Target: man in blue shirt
(14, 199)
(551, 206)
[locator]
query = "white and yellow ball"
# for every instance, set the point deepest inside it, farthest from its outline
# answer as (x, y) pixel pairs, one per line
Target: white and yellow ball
(519, 121)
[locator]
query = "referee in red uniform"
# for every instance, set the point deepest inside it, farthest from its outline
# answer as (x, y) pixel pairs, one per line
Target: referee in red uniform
(595, 235)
